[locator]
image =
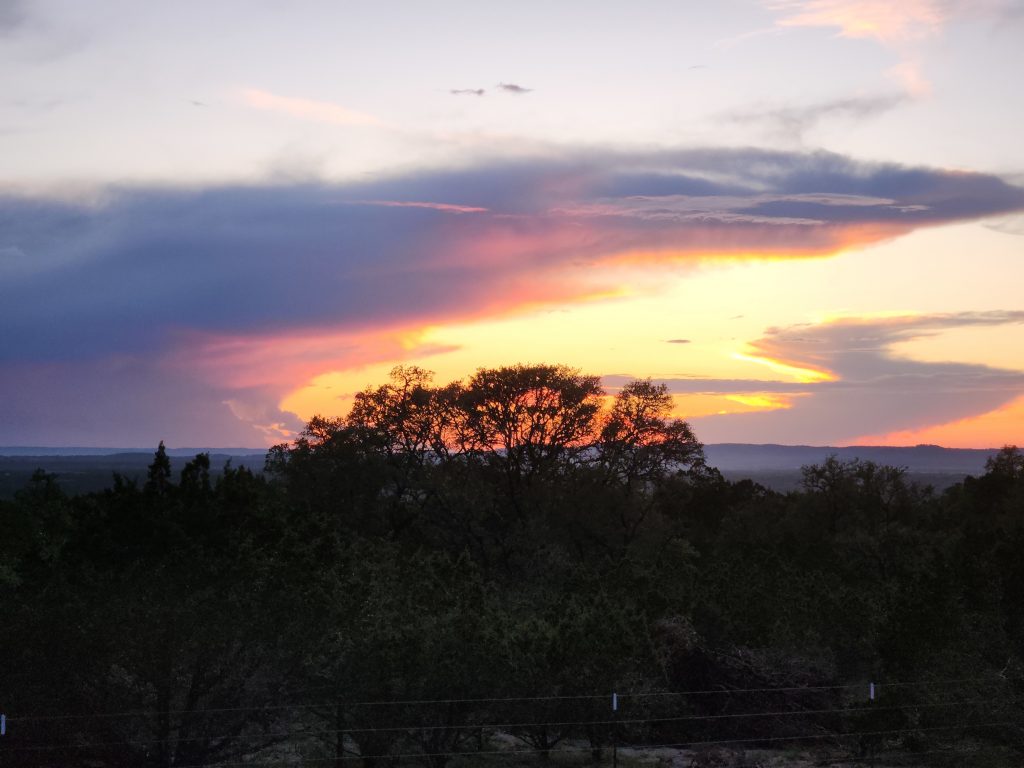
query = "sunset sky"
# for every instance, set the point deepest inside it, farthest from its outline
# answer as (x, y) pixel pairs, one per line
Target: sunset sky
(805, 217)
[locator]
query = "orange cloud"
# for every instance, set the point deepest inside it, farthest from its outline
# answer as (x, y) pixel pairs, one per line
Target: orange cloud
(762, 402)
(285, 362)
(799, 373)
(279, 361)
(697, 405)
(715, 244)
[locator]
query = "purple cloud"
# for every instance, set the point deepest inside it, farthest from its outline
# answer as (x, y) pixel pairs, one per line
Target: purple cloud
(116, 288)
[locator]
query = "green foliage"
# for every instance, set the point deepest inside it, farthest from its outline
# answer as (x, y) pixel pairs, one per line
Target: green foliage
(514, 536)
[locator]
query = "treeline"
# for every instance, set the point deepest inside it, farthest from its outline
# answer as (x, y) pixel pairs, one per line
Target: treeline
(454, 572)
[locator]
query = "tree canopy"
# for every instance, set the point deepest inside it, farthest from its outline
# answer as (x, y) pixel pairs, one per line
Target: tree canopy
(450, 567)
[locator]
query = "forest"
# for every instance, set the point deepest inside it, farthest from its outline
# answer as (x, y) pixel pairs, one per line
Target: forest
(517, 568)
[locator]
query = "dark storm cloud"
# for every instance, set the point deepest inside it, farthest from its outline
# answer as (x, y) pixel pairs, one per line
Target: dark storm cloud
(148, 274)
(121, 273)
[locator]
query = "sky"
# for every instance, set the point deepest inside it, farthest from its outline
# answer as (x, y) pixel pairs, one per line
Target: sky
(804, 217)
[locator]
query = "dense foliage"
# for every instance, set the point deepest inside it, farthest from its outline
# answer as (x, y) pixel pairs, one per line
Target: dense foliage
(495, 557)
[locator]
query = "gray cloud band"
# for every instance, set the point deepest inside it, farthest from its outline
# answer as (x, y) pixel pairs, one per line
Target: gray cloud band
(130, 272)
(877, 391)
(259, 259)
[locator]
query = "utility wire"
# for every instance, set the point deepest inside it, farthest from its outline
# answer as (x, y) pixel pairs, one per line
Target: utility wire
(513, 699)
(478, 726)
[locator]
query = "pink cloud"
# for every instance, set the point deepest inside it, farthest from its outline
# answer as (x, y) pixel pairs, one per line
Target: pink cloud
(307, 109)
(882, 20)
(443, 207)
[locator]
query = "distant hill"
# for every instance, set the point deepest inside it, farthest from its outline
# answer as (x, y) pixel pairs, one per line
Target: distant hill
(918, 458)
(82, 470)
(87, 472)
(778, 466)
(35, 450)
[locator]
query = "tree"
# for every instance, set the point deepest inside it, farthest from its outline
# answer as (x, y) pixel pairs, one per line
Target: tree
(1007, 463)
(528, 419)
(402, 418)
(832, 482)
(158, 477)
(160, 602)
(640, 441)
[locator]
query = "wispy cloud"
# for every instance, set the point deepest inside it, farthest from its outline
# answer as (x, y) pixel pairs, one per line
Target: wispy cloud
(808, 210)
(909, 73)
(443, 207)
(307, 109)
(892, 23)
(466, 91)
(792, 122)
(1013, 225)
(882, 20)
(901, 26)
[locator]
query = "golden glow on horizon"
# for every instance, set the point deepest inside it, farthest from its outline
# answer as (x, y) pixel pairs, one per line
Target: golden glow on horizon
(698, 322)
(761, 402)
(999, 346)
(848, 238)
(878, 314)
(699, 404)
(336, 392)
(797, 373)
(994, 429)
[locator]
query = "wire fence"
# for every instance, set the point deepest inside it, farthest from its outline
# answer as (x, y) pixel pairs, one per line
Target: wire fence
(298, 726)
(625, 696)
